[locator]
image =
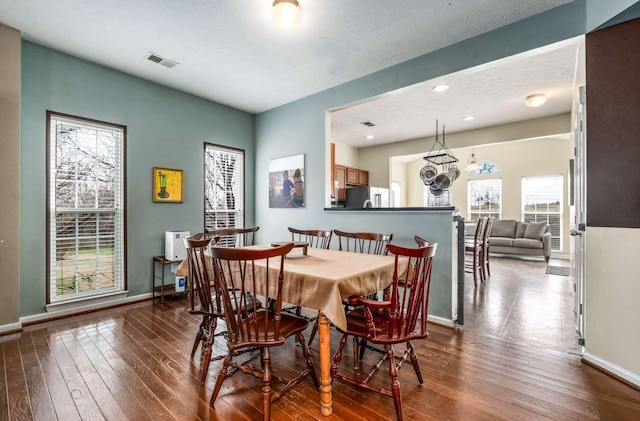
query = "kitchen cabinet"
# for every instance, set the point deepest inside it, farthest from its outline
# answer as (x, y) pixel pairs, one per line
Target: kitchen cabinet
(341, 179)
(352, 175)
(349, 177)
(356, 177)
(363, 177)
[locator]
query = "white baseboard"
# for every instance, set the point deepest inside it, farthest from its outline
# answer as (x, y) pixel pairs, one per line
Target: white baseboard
(612, 368)
(34, 318)
(11, 327)
(440, 320)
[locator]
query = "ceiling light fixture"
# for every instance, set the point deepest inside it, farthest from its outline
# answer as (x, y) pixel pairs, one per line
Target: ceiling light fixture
(369, 137)
(468, 117)
(472, 163)
(440, 88)
(286, 13)
(535, 100)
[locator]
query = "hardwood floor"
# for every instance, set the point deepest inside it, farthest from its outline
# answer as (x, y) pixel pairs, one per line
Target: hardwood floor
(522, 304)
(132, 363)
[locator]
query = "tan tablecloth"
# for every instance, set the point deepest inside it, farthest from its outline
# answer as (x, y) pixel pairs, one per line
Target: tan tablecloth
(323, 278)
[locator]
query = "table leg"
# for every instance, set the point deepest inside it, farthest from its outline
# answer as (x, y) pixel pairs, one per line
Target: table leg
(324, 335)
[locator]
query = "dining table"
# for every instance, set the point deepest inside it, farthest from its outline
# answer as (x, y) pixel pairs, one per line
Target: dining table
(320, 280)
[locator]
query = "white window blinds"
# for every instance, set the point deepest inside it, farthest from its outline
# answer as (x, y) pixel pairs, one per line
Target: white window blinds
(224, 187)
(542, 201)
(86, 252)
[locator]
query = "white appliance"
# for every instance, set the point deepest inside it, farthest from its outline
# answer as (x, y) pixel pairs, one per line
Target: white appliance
(174, 246)
(180, 284)
(379, 197)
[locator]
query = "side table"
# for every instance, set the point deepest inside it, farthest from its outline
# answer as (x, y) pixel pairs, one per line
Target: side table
(164, 288)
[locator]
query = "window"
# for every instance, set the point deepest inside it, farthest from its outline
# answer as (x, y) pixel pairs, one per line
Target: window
(395, 194)
(223, 187)
(443, 197)
(485, 197)
(542, 201)
(85, 215)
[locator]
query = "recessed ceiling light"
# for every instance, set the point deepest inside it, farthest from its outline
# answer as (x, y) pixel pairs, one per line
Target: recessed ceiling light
(468, 117)
(368, 137)
(535, 100)
(440, 88)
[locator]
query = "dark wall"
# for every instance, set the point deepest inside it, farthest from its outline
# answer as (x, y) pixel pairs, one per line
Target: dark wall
(613, 126)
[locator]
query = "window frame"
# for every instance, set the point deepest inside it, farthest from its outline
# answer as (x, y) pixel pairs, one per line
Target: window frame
(120, 262)
(242, 190)
(559, 214)
(470, 212)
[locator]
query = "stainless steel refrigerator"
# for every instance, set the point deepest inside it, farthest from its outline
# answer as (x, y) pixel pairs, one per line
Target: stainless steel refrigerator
(365, 197)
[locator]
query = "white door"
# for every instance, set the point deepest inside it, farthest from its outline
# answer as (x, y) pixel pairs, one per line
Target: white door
(578, 226)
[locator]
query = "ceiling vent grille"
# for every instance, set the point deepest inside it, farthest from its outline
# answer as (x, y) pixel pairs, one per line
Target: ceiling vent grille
(368, 123)
(161, 60)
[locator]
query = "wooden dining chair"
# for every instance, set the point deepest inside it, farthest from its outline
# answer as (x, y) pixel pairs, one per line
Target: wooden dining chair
(235, 237)
(315, 238)
(473, 252)
(262, 272)
(484, 258)
(204, 301)
(358, 242)
(400, 320)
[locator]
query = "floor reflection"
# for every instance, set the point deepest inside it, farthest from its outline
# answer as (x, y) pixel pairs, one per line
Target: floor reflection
(519, 302)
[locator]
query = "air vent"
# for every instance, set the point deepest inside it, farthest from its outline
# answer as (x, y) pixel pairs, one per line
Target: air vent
(368, 123)
(160, 60)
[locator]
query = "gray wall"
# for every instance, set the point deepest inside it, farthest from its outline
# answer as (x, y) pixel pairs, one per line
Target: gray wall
(165, 128)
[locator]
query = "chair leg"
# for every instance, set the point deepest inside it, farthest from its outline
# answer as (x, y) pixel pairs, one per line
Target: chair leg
(221, 376)
(307, 356)
(338, 356)
(196, 342)
(314, 330)
(395, 384)
(414, 361)
(207, 347)
(266, 384)
(475, 269)
(201, 336)
(363, 347)
(356, 365)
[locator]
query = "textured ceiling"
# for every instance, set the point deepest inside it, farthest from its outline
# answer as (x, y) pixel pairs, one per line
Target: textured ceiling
(494, 94)
(230, 51)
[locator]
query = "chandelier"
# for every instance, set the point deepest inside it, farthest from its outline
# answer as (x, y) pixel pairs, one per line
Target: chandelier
(440, 171)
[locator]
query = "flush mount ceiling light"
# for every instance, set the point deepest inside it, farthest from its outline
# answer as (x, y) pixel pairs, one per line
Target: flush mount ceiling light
(286, 13)
(535, 100)
(440, 88)
(468, 118)
(369, 137)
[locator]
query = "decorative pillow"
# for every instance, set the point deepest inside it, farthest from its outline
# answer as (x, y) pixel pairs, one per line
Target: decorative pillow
(503, 228)
(535, 230)
(521, 227)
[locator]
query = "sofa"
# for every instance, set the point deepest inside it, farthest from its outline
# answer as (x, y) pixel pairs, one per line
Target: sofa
(508, 236)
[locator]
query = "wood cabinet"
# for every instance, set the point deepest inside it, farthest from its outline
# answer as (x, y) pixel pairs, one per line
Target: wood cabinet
(357, 177)
(340, 174)
(352, 175)
(347, 176)
(363, 177)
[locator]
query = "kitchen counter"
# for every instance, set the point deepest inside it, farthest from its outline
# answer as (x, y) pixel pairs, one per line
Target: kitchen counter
(423, 209)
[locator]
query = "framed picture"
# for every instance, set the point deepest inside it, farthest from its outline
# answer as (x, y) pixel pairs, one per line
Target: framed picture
(286, 182)
(168, 185)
